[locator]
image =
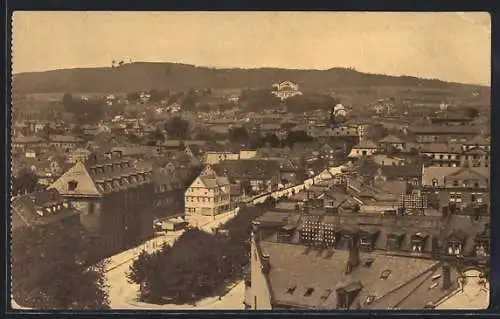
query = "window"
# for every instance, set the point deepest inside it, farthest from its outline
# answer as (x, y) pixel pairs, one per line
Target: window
(455, 183)
(72, 185)
(434, 182)
(385, 274)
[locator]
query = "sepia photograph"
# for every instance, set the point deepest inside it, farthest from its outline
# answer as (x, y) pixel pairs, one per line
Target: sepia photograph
(246, 161)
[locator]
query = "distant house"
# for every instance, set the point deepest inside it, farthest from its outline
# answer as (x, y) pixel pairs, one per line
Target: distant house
(65, 143)
(462, 186)
(363, 148)
(339, 110)
(286, 89)
(392, 142)
(233, 98)
(79, 155)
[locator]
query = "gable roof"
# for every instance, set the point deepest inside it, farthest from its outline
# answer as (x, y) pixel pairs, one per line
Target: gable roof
(366, 144)
(441, 173)
(25, 209)
(301, 269)
(393, 139)
(479, 140)
(100, 175)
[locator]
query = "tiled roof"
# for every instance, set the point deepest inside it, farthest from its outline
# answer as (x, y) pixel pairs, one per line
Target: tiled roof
(64, 138)
(248, 169)
(440, 173)
(479, 140)
(452, 129)
(28, 139)
(441, 148)
(26, 209)
(299, 268)
(391, 139)
(366, 144)
(102, 175)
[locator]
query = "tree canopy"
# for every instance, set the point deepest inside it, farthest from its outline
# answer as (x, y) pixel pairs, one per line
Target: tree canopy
(198, 265)
(238, 135)
(177, 128)
(24, 182)
(50, 269)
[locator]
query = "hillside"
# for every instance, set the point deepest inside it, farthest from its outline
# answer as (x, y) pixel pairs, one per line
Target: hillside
(180, 77)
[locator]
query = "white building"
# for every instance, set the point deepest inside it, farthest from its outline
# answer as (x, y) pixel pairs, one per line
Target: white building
(286, 89)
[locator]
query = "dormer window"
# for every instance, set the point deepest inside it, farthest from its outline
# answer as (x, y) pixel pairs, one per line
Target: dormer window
(481, 249)
(455, 183)
(455, 243)
(418, 242)
(72, 185)
(434, 182)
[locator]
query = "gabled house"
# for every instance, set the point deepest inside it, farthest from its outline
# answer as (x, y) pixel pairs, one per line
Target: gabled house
(208, 195)
(460, 186)
(363, 148)
(114, 198)
(392, 143)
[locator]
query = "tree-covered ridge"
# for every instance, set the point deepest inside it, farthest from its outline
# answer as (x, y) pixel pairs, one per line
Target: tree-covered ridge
(141, 76)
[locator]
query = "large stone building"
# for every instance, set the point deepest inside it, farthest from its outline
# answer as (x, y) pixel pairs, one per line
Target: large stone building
(114, 197)
(208, 195)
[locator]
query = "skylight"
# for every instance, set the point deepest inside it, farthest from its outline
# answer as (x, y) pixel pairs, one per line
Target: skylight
(308, 292)
(385, 274)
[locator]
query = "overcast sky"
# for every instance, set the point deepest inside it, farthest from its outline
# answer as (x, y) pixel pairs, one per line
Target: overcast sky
(447, 46)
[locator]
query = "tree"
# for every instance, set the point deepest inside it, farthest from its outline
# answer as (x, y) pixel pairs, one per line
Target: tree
(272, 140)
(133, 96)
(25, 182)
(193, 268)
(51, 268)
(297, 137)
(67, 100)
(156, 136)
(239, 135)
(177, 128)
(139, 269)
(157, 95)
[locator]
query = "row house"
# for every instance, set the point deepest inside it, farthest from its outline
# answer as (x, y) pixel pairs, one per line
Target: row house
(24, 143)
(455, 155)
(444, 134)
(208, 195)
(350, 277)
(462, 186)
(65, 143)
(410, 235)
(114, 198)
(260, 175)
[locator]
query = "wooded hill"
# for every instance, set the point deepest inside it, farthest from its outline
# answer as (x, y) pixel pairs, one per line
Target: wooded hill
(181, 77)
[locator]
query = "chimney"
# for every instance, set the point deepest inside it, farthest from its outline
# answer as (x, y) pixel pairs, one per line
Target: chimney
(353, 260)
(446, 276)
